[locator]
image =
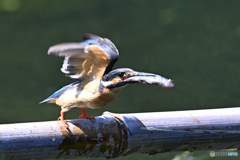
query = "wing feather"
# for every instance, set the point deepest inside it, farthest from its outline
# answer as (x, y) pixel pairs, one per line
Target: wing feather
(89, 59)
(67, 49)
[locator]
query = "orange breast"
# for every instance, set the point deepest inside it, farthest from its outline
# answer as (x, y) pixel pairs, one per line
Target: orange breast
(102, 99)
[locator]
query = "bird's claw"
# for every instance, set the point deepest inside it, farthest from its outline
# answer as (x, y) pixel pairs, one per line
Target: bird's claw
(65, 126)
(87, 117)
(64, 123)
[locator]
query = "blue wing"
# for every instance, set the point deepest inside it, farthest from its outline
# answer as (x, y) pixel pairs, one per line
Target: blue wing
(93, 53)
(58, 93)
(109, 48)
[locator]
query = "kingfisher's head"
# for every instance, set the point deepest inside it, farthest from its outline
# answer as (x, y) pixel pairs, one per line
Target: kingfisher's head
(121, 77)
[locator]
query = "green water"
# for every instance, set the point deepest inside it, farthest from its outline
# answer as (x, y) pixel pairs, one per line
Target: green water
(195, 43)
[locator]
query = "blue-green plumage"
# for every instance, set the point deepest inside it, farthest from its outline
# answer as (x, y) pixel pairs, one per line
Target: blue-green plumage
(58, 93)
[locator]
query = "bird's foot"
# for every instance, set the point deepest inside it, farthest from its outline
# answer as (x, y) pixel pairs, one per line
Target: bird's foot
(84, 115)
(87, 117)
(64, 123)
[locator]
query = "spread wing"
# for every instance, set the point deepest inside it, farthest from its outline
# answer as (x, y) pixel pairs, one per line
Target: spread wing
(92, 58)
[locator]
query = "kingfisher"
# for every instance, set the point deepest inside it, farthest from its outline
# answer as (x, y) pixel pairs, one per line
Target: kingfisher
(90, 63)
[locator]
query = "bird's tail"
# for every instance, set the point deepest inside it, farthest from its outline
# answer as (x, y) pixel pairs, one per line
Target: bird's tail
(49, 100)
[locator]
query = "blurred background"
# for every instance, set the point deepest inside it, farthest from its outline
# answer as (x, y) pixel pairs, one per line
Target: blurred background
(195, 43)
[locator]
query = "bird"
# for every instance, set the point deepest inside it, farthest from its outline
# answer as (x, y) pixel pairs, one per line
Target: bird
(90, 63)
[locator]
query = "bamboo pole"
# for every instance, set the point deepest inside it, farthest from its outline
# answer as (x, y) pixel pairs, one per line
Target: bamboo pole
(112, 135)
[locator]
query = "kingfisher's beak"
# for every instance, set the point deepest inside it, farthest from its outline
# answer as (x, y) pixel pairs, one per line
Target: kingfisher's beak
(149, 79)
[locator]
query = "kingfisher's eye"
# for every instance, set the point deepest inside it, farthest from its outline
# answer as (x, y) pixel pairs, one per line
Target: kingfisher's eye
(121, 74)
